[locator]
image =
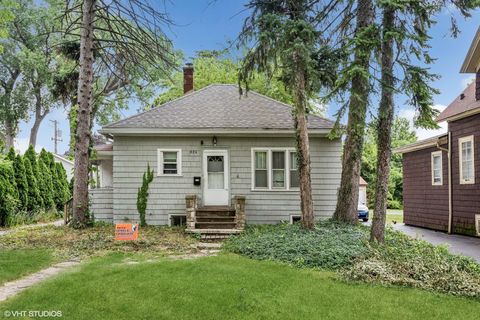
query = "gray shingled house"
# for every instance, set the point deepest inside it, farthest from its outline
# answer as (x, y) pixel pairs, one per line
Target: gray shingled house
(220, 160)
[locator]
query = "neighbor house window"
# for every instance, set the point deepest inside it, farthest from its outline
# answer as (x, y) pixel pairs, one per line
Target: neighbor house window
(169, 162)
(437, 173)
(467, 169)
(272, 169)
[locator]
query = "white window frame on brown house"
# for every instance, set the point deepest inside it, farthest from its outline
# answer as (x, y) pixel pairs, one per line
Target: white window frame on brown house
(461, 141)
(437, 154)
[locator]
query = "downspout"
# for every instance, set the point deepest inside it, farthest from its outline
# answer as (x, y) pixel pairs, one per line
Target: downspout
(449, 156)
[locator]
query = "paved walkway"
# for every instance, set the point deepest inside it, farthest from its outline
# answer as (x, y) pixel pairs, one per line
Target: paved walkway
(468, 246)
(12, 288)
(57, 223)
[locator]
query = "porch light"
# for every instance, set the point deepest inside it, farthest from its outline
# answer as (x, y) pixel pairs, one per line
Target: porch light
(214, 140)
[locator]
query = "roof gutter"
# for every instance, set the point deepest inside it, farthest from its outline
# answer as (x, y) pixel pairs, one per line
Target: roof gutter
(449, 156)
(196, 132)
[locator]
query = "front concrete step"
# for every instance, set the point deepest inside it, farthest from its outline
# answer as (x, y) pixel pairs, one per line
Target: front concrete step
(216, 218)
(215, 225)
(214, 234)
(221, 211)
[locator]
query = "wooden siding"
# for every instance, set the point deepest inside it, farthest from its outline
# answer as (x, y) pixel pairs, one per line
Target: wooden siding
(424, 205)
(167, 193)
(101, 204)
(466, 197)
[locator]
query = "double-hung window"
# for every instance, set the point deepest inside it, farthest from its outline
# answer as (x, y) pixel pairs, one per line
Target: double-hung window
(467, 156)
(169, 162)
(437, 173)
(274, 169)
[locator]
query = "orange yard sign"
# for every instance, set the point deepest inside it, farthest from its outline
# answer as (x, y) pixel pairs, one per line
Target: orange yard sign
(126, 231)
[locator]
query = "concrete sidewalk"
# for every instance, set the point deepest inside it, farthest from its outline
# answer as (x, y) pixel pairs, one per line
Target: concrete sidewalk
(458, 244)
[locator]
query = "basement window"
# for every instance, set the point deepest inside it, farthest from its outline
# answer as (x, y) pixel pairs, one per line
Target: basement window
(466, 153)
(294, 218)
(437, 179)
(177, 220)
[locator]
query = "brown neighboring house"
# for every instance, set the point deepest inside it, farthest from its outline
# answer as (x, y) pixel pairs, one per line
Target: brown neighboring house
(441, 175)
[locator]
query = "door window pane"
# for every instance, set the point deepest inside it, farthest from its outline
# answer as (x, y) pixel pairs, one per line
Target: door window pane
(216, 173)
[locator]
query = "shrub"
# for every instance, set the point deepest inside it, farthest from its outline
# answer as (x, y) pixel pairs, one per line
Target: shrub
(35, 180)
(22, 183)
(8, 192)
(330, 245)
(46, 185)
(62, 177)
(35, 201)
(142, 196)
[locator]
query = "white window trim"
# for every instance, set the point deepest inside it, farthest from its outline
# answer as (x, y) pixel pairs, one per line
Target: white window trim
(175, 215)
(437, 154)
(269, 150)
(460, 154)
(160, 162)
(294, 216)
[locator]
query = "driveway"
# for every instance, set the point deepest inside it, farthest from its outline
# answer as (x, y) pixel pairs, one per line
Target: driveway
(468, 246)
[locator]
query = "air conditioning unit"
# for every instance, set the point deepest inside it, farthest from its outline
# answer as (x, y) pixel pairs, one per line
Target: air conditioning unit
(477, 224)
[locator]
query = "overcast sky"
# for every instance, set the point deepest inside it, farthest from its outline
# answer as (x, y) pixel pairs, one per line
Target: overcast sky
(207, 25)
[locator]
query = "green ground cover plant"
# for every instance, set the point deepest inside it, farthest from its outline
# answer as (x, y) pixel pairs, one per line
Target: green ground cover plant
(401, 261)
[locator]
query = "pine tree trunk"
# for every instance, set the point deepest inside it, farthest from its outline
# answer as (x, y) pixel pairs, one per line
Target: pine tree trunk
(80, 189)
(347, 200)
(303, 152)
(384, 130)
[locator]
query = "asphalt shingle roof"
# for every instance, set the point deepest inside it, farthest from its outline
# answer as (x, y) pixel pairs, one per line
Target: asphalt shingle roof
(219, 107)
(461, 105)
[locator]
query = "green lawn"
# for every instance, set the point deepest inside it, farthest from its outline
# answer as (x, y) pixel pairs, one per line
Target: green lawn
(225, 287)
(15, 264)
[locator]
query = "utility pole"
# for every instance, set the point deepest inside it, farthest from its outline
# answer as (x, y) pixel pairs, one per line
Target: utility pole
(56, 135)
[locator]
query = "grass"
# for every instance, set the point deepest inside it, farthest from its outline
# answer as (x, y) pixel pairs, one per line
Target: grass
(226, 286)
(391, 217)
(15, 264)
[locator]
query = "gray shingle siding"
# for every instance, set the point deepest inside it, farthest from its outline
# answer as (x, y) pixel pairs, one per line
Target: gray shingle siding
(167, 193)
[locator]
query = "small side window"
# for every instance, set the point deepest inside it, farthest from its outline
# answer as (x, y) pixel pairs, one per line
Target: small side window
(466, 153)
(437, 172)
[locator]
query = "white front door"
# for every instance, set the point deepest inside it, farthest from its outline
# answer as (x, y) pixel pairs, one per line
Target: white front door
(215, 173)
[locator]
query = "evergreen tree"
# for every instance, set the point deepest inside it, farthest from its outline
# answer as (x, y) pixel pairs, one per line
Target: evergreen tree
(46, 187)
(22, 183)
(8, 194)
(35, 201)
(142, 196)
(11, 154)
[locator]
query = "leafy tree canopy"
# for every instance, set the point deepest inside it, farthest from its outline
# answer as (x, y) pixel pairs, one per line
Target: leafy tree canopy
(402, 134)
(217, 67)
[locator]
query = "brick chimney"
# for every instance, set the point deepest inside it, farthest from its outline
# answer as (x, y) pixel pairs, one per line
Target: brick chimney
(477, 86)
(188, 78)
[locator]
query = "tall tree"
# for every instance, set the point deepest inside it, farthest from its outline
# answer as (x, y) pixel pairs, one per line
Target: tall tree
(124, 33)
(411, 44)
(385, 122)
(286, 42)
(364, 41)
